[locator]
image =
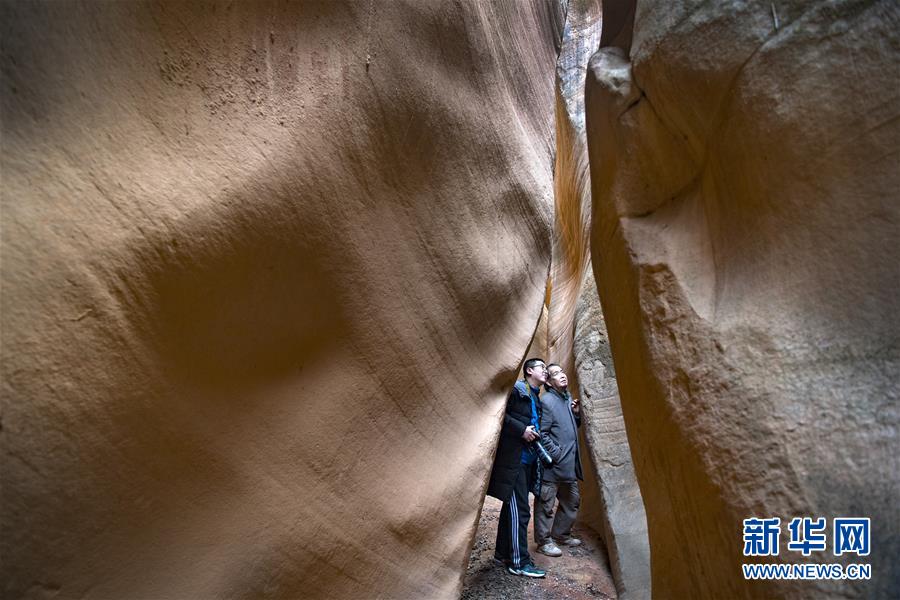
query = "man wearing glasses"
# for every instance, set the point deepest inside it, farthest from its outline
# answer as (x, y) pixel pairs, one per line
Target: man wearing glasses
(517, 470)
(560, 419)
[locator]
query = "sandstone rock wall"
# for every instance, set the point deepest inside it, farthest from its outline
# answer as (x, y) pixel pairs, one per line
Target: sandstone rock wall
(257, 267)
(611, 500)
(744, 173)
(571, 177)
(621, 516)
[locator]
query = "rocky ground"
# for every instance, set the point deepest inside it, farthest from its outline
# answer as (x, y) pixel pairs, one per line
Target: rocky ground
(581, 573)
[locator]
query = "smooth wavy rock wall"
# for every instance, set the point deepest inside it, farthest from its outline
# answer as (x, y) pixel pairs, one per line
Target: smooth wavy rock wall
(575, 334)
(268, 271)
(745, 192)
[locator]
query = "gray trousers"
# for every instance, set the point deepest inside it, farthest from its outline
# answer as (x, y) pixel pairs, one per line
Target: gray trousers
(545, 525)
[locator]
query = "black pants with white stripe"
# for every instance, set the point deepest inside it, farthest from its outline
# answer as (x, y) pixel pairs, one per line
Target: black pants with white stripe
(512, 530)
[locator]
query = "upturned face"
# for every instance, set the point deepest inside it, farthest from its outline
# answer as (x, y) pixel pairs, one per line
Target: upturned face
(558, 378)
(539, 373)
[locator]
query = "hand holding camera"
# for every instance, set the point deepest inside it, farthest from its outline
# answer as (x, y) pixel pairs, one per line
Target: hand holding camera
(541, 451)
(533, 436)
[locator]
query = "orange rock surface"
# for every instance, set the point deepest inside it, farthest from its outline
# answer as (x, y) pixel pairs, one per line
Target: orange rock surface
(268, 271)
(744, 172)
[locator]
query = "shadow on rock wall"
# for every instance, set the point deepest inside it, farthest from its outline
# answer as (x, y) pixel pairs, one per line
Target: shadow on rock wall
(743, 163)
(246, 348)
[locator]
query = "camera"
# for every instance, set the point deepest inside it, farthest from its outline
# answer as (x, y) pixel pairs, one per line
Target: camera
(541, 451)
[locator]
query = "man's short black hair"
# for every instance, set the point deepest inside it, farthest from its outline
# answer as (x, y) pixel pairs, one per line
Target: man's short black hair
(553, 365)
(529, 364)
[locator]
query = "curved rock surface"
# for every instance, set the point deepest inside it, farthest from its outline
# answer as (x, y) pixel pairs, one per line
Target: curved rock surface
(246, 349)
(620, 511)
(745, 178)
(573, 330)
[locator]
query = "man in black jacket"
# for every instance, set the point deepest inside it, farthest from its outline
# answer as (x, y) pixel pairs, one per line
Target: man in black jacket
(517, 470)
(560, 419)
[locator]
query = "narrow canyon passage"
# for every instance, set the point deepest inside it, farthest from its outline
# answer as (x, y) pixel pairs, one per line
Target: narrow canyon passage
(581, 573)
(270, 269)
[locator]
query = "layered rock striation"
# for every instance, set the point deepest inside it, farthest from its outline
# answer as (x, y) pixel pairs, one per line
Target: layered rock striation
(575, 329)
(619, 514)
(267, 273)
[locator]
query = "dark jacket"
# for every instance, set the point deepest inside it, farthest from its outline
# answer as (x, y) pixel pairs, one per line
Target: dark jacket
(559, 434)
(508, 459)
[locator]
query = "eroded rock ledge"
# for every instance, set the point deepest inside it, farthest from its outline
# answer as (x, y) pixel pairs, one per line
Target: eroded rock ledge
(745, 214)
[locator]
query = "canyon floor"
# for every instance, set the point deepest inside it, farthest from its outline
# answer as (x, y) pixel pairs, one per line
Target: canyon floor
(581, 573)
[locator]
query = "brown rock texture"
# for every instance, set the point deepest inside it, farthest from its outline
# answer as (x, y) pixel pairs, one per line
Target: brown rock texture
(620, 512)
(573, 325)
(268, 270)
(571, 177)
(744, 175)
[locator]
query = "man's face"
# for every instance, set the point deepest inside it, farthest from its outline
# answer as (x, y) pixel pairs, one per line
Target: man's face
(539, 372)
(558, 378)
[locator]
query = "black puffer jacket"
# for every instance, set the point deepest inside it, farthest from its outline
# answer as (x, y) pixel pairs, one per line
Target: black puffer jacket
(508, 459)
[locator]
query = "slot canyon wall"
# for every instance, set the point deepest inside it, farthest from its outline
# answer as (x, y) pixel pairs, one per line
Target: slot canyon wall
(572, 330)
(619, 513)
(744, 181)
(267, 273)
